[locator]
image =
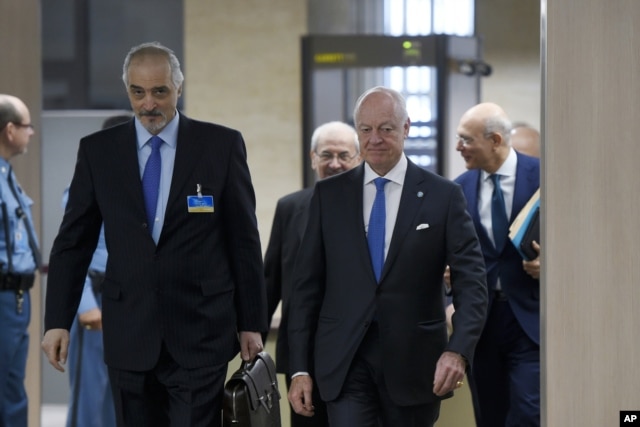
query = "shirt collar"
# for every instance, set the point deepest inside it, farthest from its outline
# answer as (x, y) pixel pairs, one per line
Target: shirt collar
(169, 134)
(508, 167)
(5, 167)
(396, 174)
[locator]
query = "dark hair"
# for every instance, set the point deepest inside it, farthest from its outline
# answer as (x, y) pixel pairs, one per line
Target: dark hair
(115, 120)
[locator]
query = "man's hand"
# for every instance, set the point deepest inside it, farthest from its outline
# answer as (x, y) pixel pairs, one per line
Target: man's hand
(55, 345)
(250, 345)
(450, 371)
(300, 395)
(447, 277)
(91, 319)
(449, 311)
(533, 267)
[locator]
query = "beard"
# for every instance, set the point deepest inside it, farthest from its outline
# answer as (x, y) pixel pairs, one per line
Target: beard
(156, 125)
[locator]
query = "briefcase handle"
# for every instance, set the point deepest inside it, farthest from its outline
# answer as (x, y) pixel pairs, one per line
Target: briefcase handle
(246, 375)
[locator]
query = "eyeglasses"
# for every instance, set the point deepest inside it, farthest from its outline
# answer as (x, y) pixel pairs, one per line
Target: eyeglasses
(466, 141)
(344, 157)
(463, 140)
(26, 125)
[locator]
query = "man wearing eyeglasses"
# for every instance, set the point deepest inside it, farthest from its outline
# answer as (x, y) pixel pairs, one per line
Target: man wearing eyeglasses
(505, 375)
(334, 149)
(19, 259)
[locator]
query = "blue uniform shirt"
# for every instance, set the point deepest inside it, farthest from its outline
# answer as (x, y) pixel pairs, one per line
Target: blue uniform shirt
(22, 257)
(98, 263)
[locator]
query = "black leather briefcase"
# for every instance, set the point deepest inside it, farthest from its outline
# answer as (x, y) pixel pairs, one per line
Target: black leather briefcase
(251, 396)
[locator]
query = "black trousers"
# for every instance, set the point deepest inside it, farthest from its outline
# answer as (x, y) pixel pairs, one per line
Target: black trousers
(364, 400)
(505, 379)
(169, 395)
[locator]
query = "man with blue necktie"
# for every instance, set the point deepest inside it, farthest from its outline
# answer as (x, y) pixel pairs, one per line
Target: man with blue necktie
(184, 288)
(505, 374)
(367, 300)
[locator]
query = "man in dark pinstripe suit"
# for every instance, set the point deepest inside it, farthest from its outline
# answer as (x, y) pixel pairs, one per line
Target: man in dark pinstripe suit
(184, 288)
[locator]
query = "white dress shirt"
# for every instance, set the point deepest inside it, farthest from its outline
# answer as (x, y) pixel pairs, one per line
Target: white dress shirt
(392, 194)
(507, 174)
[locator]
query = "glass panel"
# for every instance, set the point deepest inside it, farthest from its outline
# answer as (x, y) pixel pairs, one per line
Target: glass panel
(417, 84)
(453, 17)
(58, 32)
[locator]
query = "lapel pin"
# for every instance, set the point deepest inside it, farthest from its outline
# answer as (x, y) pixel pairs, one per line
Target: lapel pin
(420, 194)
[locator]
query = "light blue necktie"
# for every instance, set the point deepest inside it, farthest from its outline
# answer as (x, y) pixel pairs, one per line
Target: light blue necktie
(499, 221)
(376, 230)
(151, 180)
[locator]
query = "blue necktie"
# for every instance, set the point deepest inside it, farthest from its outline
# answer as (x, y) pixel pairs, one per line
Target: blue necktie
(151, 180)
(376, 231)
(499, 221)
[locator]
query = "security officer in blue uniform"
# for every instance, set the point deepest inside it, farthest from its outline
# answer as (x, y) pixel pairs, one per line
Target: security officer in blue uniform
(91, 401)
(19, 260)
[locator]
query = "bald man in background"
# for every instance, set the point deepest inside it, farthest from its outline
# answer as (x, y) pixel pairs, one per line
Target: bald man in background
(505, 375)
(525, 139)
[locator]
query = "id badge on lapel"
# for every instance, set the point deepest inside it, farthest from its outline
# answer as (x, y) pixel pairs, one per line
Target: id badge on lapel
(200, 203)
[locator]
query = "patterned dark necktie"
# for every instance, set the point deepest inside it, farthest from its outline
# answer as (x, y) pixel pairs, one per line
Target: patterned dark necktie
(499, 221)
(151, 180)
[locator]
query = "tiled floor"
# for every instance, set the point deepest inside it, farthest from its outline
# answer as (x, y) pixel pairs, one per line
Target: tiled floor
(54, 415)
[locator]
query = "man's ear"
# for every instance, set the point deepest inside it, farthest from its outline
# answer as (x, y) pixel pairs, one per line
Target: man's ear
(496, 139)
(314, 162)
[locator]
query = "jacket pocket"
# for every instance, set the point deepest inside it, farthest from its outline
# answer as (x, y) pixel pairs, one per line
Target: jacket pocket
(216, 286)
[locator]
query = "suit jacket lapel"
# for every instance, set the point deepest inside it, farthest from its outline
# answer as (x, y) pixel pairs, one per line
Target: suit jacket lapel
(300, 216)
(187, 154)
(352, 198)
(410, 203)
(127, 152)
(527, 180)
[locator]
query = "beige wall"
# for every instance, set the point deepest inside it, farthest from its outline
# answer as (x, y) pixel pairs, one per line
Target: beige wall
(20, 76)
(590, 200)
(511, 38)
(242, 69)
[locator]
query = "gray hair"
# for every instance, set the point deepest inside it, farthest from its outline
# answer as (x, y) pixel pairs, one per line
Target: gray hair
(498, 124)
(154, 48)
(399, 101)
(335, 126)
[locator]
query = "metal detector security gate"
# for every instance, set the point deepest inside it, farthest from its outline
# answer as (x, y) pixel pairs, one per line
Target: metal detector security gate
(439, 75)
